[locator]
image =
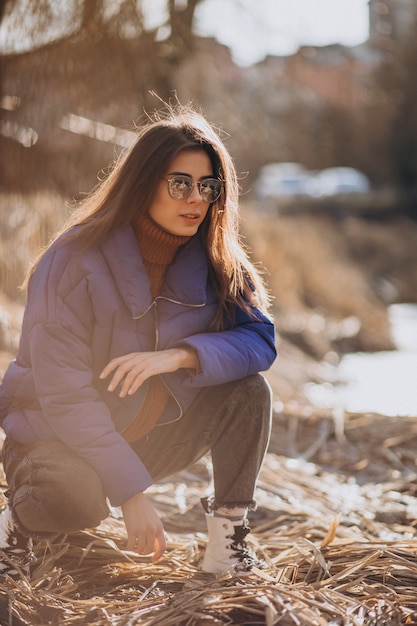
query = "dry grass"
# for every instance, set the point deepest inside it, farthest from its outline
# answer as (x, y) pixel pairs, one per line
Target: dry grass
(27, 222)
(311, 270)
(339, 549)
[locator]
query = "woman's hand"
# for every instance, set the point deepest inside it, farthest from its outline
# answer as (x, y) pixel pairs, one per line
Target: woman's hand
(145, 532)
(131, 370)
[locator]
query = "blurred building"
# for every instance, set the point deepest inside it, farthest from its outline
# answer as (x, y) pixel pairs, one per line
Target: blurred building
(334, 73)
(390, 21)
(338, 75)
(63, 110)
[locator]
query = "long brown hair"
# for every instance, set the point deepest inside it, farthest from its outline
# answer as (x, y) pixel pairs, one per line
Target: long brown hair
(129, 188)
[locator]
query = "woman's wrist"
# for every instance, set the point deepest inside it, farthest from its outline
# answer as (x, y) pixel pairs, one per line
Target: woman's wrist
(188, 358)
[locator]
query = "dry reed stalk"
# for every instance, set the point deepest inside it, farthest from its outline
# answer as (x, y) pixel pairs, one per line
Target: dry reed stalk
(328, 558)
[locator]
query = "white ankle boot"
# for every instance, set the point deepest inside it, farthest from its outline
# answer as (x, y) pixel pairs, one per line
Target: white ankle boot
(15, 549)
(226, 548)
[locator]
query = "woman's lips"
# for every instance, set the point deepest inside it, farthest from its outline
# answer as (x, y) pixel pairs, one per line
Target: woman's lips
(190, 216)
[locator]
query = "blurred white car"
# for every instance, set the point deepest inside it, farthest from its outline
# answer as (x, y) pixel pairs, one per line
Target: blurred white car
(282, 180)
(338, 180)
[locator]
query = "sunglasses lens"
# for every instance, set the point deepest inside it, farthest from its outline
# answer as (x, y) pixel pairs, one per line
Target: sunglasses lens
(180, 187)
(210, 189)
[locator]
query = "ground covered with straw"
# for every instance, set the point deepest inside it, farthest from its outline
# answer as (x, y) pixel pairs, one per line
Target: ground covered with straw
(335, 524)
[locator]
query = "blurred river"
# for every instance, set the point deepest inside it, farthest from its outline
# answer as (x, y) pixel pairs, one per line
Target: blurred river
(380, 382)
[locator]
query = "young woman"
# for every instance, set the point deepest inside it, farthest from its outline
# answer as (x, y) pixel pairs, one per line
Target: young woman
(144, 333)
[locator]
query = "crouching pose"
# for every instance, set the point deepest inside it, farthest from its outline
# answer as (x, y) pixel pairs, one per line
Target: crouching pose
(144, 333)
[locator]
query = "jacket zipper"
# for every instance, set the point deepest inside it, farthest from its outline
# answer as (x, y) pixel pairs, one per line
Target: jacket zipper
(194, 306)
(154, 304)
(161, 377)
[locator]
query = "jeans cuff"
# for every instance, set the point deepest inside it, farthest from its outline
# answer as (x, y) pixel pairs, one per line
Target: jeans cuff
(209, 504)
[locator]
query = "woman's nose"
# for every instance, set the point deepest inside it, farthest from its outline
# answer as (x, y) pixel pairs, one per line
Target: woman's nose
(195, 195)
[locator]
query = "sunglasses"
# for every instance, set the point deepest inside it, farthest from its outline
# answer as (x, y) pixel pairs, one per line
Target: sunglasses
(180, 187)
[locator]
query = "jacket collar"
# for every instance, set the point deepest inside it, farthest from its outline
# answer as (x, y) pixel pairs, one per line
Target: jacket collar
(185, 280)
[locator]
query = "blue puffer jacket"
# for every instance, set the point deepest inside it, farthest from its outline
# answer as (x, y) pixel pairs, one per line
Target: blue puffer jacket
(85, 309)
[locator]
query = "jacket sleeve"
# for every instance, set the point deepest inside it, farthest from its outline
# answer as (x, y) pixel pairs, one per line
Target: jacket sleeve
(56, 342)
(246, 349)
(75, 412)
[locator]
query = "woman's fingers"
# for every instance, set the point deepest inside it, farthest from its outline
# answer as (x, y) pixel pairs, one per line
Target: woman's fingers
(144, 547)
(130, 371)
(129, 381)
(156, 545)
(111, 365)
(160, 545)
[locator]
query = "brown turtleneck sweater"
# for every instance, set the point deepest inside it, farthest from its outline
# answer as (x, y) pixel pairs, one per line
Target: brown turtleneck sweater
(158, 249)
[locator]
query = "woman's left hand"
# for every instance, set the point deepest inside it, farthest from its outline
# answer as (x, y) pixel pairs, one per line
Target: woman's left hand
(145, 532)
(131, 370)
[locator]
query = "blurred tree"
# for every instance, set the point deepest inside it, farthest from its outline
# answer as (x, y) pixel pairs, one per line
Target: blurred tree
(170, 52)
(389, 122)
(44, 22)
(91, 58)
(398, 78)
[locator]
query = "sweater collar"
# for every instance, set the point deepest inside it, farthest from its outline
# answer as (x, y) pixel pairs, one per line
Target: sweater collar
(186, 278)
(157, 246)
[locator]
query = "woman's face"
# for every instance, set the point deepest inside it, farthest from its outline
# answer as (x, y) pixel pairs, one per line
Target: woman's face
(182, 217)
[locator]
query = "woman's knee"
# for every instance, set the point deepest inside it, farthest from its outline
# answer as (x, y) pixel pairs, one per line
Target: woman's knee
(55, 491)
(249, 405)
(256, 388)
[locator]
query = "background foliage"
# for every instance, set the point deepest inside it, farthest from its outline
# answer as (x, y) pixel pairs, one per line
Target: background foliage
(96, 59)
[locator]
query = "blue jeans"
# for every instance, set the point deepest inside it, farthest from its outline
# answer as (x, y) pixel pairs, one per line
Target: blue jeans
(53, 490)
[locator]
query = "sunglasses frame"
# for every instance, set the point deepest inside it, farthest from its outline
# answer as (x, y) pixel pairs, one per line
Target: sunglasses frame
(199, 183)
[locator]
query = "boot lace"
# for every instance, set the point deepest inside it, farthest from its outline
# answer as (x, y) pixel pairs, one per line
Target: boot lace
(16, 557)
(240, 550)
